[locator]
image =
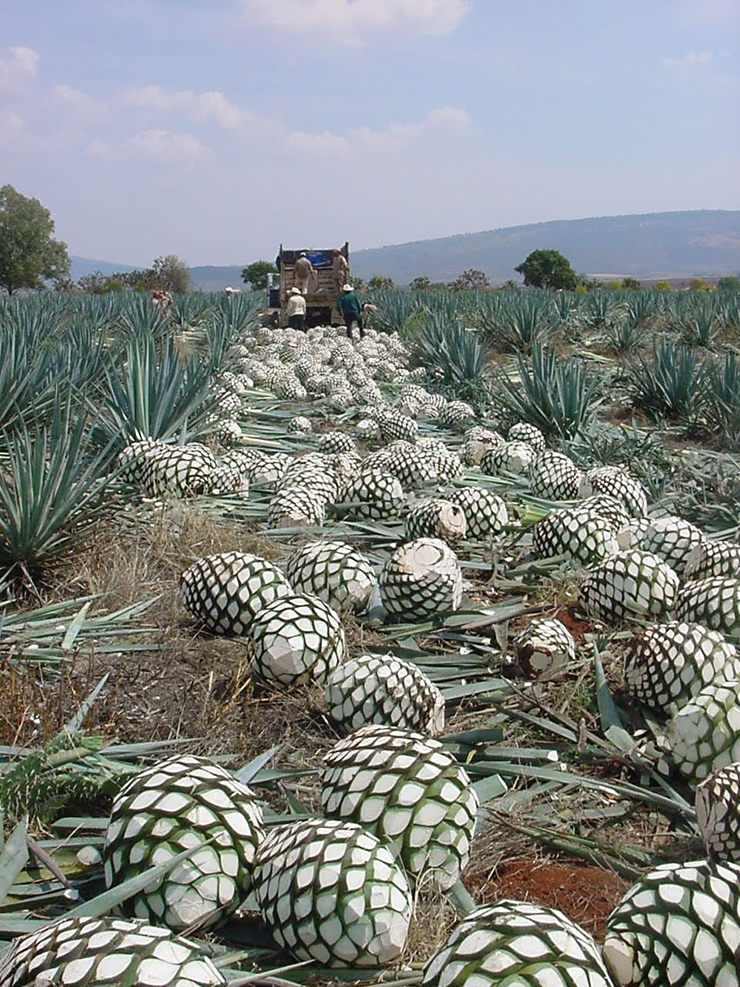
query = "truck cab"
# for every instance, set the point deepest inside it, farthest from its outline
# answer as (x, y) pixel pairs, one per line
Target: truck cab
(321, 297)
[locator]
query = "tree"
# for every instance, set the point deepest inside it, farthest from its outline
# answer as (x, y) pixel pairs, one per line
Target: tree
(29, 255)
(663, 286)
(357, 283)
(420, 283)
(472, 279)
(380, 282)
(729, 283)
(548, 269)
(509, 285)
(700, 284)
(631, 284)
(172, 274)
(256, 273)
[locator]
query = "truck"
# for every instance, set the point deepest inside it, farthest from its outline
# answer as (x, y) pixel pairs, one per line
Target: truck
(321, 298)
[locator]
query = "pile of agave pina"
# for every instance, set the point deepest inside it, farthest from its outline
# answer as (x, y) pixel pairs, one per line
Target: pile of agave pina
(339, 889)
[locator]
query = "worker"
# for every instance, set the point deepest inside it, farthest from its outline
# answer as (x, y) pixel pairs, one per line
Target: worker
(350, 309)
(340, 270)
(303, 272)
(296, 310)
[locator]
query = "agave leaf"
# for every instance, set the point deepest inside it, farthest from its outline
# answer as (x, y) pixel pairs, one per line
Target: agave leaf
(13, 858)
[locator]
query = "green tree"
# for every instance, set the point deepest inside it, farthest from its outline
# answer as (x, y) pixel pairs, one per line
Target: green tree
(29, 255)
(548, 269)
(700, 284)
(663, 286)
(380, 282)
(472, 280)
(509, 285)
(421, 283)
(255, 274)
(729, 283)
(357, 283)
(172, 274)
(631, 284)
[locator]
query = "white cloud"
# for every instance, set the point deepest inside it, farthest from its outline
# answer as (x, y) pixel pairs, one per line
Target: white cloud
(11, 127)
(161, 146)
(353, 20)
(690, 58)
(18, 67)
(211, 106)
(77, 103)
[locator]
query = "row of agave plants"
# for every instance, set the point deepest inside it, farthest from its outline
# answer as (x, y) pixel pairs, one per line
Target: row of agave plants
(79, 377)
(516, 320)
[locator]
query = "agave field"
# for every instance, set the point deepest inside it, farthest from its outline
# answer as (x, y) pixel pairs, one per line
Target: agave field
(409, 659)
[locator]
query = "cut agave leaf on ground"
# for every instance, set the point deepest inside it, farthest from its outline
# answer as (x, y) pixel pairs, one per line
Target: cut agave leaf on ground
(13, 858)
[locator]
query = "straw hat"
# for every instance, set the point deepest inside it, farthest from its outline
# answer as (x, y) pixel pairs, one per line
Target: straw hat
(294, 291)
(347, 287)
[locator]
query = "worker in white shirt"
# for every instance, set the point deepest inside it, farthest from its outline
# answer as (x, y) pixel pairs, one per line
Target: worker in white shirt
(296, 309)
(303, 272)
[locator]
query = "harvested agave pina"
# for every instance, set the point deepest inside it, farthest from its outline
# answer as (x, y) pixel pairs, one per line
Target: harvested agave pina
(554, 476)
(517, 944)
(407, 790)
(387, 690)
(679, 926)
(704, 734)
(670, 538)
(615, 482)
(714, 602)
(331, 892)
(713, 558)
(524, 432)
(670, 663)
(173, 806)
(630, 584)
(576, 533)
(105, 952)
(718, 813)
(298, 640)
(420, 579)
(485, 512)
(509, 457)
(432, 518)
(544, 649)
(335, 572)
(227, 591)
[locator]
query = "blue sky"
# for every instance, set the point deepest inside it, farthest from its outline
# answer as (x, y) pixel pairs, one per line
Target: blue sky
(214, 129)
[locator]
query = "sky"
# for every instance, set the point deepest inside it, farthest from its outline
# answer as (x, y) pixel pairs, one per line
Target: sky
(216, 129)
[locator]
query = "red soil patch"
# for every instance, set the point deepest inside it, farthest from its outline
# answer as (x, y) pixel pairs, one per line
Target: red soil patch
(585, 894)
(575, 625)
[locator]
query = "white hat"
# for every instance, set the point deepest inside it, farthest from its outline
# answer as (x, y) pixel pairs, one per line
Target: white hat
(294, 291)
(303, 253)
(347, 287)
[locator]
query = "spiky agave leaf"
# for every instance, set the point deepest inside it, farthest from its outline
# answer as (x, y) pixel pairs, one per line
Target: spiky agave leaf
(155, 392)
(558, 396)
(54, 488)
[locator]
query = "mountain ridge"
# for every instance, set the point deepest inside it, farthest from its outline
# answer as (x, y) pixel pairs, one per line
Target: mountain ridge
(677, 244)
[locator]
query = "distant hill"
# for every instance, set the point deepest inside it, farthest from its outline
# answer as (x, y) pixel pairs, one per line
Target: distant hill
(209, 278)
(82, 266)
(703, 242)
(665, 244)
